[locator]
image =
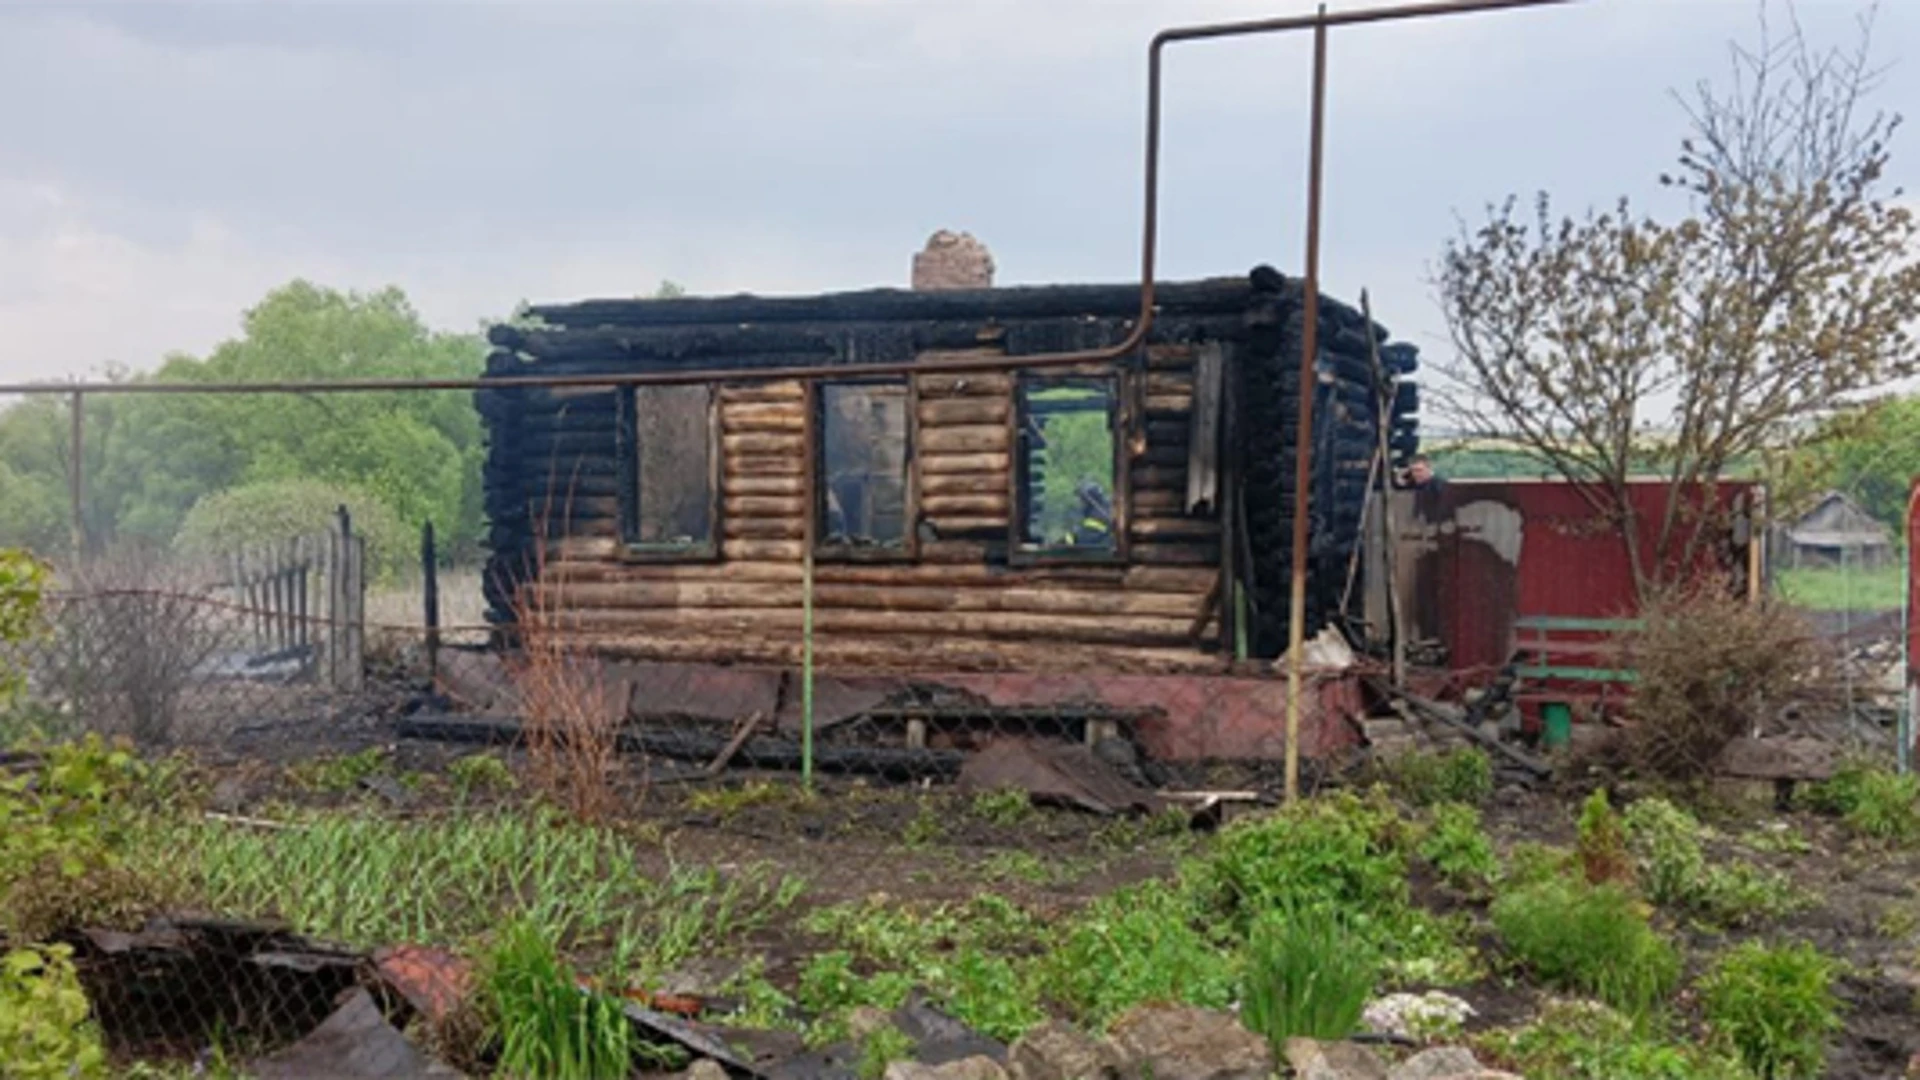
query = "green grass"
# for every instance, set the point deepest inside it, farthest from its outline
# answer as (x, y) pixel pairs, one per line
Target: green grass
(1775, 1006)
(1588, 1041)
(1882, 589)
(1590, 939)
(368, 881)
(1308, 974)
(547, 1026)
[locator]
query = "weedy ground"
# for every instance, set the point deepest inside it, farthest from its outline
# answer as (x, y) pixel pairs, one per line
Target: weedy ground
(1603, 936)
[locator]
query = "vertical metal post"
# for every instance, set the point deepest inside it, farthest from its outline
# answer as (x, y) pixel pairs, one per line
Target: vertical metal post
(1303, 432)
(809, 516)
(430, 597)
(76, 472)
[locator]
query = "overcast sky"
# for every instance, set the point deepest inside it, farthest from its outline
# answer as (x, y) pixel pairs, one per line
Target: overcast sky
(162, 165)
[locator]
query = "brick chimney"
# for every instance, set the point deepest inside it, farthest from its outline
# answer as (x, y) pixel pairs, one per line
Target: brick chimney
(952, 261)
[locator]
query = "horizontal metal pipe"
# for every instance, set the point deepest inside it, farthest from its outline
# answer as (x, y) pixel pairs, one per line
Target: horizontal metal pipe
(1142, 324)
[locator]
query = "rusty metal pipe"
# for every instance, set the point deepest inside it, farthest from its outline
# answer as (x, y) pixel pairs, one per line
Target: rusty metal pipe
(1135, 338)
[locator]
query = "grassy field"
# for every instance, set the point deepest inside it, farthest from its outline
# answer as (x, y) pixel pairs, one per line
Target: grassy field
(1843, 590)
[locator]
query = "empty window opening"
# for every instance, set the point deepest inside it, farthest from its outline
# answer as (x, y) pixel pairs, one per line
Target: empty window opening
(863, 465)
(1065, 471)
(672, 503)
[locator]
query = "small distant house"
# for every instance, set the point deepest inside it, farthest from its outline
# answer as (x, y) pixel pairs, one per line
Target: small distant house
(1837, 532)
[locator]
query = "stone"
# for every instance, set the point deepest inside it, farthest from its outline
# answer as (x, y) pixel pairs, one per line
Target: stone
(866, 1020)
(705, 1069)
(1312, 1059)
(971, 1068)
(1177, 1042)
(1440, 1063)
(1417, 1016)
(952, 261)
(1056, 1051)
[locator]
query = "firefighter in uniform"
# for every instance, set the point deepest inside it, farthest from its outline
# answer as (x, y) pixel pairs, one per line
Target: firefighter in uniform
(1096, 517)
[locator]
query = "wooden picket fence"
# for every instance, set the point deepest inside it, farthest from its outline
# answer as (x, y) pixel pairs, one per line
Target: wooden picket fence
(305, 597)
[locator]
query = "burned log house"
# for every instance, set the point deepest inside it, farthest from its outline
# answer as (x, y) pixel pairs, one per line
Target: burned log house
(1098, 518)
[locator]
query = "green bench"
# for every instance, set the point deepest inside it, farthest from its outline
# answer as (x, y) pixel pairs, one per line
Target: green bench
(1562, 661)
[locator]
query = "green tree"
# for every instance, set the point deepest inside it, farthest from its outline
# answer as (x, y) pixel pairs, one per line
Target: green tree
(1872, 455)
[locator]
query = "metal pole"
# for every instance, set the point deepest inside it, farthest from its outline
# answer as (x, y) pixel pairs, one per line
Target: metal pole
(430, 596)
(810, 528)
(1303, 430)
(76, 474)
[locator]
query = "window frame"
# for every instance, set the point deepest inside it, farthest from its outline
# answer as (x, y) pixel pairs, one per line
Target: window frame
(627, 441)
(1020, 551)
(824, 549)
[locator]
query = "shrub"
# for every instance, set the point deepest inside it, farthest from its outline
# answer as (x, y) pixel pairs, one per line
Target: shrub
(23, 580)
(1673, 869)
(63, 833)
(1873, 803)
(1138, 944)
(1588, 1041)
(1602, 842)
(1308, 974)
(1530, 862)
(273, 511)
(1457, 848)
(44, 1030)
(1334, 850)
(1589, 939)
(1707, 662)
(546, 1024)
(1424, 779)
(1774, 1005)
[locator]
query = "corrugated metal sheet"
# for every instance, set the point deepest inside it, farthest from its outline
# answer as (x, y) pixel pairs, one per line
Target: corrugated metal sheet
(1476, 555)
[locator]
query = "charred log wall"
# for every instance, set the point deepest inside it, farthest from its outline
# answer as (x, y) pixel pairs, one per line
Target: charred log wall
(554, 501)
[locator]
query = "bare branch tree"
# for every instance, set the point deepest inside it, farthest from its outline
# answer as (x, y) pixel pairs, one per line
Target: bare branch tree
(1611, 345)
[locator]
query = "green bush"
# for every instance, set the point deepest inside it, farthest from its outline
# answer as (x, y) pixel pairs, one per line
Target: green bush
(1873, 802)
(1589, 939)
(44, 1029)
(1601, 843)
(278, 510)
(547, 1026)
(1308, 974)
(1774, 1005)
(64, 832)
(1674, 871)
(1588, 1041)
(1456, 846)
(1424, 779)
(1139, 944)
(1336, 850)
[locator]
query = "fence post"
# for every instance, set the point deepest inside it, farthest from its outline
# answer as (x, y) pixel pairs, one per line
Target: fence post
(430, 595)
(76, 477)
(346, 585)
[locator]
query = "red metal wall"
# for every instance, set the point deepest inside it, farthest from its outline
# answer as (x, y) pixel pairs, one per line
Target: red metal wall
(1483, 553)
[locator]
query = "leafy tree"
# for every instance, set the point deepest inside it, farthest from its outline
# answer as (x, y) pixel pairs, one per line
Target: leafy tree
(149, 459)
(1872, 454)
(1614, 342)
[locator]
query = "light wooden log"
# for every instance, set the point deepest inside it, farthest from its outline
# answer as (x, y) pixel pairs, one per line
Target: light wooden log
(965, 439)
(949, 507)
(763, 550)
(1171, 355)
(947, 412)
(763, 528)
(967, 526)
(994, 598)
(982, 483)
(765, 485)
(1173, 528)
(964, 385)
(766, 419)
(864, 654)
(753, 393)
(742, 465)
(1176, 383)
(932, 464)
(1017, 626)
(784, 445)
(1181, 404)
(781, 506)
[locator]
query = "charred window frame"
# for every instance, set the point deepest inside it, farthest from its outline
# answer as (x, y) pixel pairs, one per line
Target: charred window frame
(862, 456)
(669, 454)
(1069, 468)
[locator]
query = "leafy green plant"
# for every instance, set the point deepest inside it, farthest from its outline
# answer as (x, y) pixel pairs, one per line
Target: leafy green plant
(1006, 807)
(339, 773)
(1602, 841)
(1456, 846)
(1139, 944)
(1308, 974)
(881, 1049)
(1588, 1041)
(1457, 776)
(1673, 869)
(925, 828)
(1530, 862)
(1873, 803)
(64, 830)
(1774, 1005)
(1590, 939)
(829, 986)
(546, 1024)
(989, 993)
(23, 581)
(479, 772)
(270, 511)
(1337, 850)
(45, 1033)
